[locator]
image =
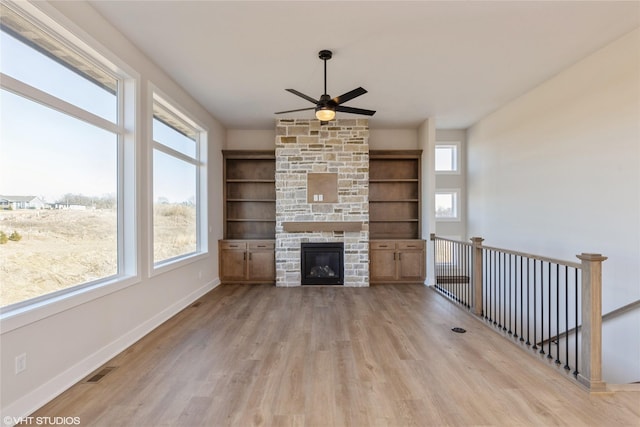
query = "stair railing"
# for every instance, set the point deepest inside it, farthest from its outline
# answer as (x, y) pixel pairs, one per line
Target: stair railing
(550, 307)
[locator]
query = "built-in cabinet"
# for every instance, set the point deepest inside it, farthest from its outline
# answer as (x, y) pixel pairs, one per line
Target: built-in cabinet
(396, 252)
(247, 261)
(247, 253)
(397, 261)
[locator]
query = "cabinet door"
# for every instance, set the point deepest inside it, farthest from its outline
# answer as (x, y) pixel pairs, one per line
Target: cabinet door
(411, 265)
(232, 264)
(382, 265)
(262, 265)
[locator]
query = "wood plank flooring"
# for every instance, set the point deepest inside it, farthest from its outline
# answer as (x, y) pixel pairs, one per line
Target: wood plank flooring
(248, 355)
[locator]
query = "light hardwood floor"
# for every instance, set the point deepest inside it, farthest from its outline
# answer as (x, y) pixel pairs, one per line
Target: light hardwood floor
(248, 355)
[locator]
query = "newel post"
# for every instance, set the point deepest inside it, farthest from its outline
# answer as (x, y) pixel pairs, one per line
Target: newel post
(591, 352)
(477, 275)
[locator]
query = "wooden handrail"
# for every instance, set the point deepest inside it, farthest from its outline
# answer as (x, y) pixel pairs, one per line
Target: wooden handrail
(610, 315)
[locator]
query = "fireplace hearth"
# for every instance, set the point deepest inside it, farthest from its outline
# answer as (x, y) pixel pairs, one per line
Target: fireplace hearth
(322, 263)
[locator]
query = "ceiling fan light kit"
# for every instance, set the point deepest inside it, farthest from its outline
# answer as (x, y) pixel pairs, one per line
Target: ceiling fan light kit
(326, 107)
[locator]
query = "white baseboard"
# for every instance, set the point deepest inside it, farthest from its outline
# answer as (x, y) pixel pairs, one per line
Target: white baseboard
(37, 398)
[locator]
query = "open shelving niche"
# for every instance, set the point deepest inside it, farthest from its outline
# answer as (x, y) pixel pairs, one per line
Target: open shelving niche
(394, 194)
(249, 194)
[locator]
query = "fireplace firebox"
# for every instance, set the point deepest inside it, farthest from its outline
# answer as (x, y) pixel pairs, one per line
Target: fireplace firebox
(322, 263)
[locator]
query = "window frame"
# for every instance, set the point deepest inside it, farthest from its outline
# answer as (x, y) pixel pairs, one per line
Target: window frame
(456, 204)
(44, 16)
(456, 157)
(201, 138)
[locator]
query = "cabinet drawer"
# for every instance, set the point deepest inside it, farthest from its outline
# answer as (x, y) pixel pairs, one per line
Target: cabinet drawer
(262, 245)
(409, 244)
(383, 245)
(233, 245)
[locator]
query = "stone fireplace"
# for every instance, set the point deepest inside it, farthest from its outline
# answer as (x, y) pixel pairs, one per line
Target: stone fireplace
(322, 194)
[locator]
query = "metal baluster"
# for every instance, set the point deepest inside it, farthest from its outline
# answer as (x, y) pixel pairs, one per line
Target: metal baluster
(452, 272)
(515, 299)
(499, 293)
(549, 307)
(528, 303)
(566, 317)
(575, 372)
(468, 274)
(465, 274)
(535, 304)
(558, 314)
(455, 273)
(486, 284)
(493, 268)
(542, 307)
(510, 285)
(436, 253)
(521, 302)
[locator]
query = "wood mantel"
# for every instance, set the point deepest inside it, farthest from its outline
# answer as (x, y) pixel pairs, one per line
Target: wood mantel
(311, 226)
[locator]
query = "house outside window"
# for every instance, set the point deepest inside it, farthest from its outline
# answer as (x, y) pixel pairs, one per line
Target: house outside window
(63, 158)
(179, 174)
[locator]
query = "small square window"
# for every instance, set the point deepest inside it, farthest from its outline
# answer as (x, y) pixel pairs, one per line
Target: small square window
(446, 158)
(446, 205)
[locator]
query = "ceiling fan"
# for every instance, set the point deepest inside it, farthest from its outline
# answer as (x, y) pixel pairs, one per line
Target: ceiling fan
(326, 106)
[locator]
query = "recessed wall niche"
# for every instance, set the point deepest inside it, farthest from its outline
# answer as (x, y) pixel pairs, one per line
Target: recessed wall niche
(322, 188)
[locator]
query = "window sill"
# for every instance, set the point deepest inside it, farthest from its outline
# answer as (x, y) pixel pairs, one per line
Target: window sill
(44, 307)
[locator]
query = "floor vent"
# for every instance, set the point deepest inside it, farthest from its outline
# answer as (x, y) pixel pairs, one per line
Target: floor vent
(100, 374)
(459, 330)
(196, 304)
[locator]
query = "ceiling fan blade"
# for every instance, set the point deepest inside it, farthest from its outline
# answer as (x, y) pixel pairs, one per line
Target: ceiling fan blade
(302, 95)
(349, 95)
(344, 109)
(293, 111)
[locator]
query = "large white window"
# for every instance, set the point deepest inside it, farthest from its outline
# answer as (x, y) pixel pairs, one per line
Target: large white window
(63, 157)
(179, 147)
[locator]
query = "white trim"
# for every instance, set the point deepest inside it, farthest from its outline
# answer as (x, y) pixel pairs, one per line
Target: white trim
(29, 311)
(65, 299)
(35, 399)
(456, 204)
(36, 95)
(202, 247)
(177, 154)
(456, 160)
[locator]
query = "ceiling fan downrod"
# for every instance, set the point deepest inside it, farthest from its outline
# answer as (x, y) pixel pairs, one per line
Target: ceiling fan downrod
(325, 55)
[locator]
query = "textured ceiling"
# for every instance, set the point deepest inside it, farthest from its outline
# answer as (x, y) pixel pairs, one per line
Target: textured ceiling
(455, 61)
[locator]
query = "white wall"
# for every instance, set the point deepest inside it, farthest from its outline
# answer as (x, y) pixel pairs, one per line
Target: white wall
(426, 143)
(557, 172)
(67, 345)
(393, 139)
(379, 139)
(240, 139)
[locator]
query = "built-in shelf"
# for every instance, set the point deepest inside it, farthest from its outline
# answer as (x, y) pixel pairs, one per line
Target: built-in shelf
(394, 194)
(249, 194)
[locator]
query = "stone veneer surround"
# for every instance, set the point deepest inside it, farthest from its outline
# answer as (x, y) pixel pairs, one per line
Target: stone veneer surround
(341, 147)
